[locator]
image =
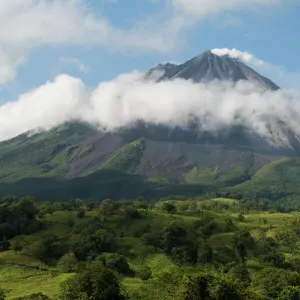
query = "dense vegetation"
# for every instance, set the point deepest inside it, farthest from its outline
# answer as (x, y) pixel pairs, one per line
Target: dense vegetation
(213, 248)
(75, 160)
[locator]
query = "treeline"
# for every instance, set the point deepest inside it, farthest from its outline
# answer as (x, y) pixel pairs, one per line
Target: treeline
(17, 217)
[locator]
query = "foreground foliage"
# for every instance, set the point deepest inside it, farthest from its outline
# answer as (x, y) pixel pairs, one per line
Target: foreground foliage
(213, 249)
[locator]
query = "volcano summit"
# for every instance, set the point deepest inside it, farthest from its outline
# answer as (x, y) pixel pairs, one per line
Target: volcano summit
(209, 66)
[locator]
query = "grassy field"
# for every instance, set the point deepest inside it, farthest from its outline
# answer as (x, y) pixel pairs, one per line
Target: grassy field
(127, 159)
(22, 274)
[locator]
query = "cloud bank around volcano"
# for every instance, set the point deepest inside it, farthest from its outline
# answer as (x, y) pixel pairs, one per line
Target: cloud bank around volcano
(130, 98)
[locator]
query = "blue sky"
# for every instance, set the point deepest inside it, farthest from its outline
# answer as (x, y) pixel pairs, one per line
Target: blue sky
(65, 60)
(267, 29)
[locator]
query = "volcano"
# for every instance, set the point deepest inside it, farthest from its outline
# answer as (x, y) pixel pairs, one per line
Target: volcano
(76, 160)
(209, 66)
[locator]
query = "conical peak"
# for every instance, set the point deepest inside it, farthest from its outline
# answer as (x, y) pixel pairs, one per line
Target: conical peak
(217, 64)
(212, 55)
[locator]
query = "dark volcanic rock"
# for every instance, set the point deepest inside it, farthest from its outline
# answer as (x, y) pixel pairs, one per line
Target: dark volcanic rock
(208, 66)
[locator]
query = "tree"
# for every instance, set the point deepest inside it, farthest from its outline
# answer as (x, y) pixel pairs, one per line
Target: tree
(241, 273)
(80, 213)
(145, 273)
(229, 226)
(50, 247)
(70, 222)
(206, 255)
(288, 239)
(183, 206)
(153, 239)
(118, 263)
(193, 206)
(173, 236)
(4, 244)
(202, 209)
(68, 262)
(277, 259)
(224, 288)
(2, 294)
(35, 296)
(290, 293)
(90, 244)
(273, 281)
(197, 287)
(206, 231)
(240, 217)
(16, 246)
(131, 212)
(242, 251)
(90, 205)
(169, 208)
(96, 283)
(242, 241)
(140, 204)
(7, 230)
(106, 208)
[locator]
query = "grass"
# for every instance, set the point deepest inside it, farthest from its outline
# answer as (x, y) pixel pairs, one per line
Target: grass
(22, 274)
(196, 176)
(216, 177)
(275, 180)
(21, 281)
(225, 201)
(159, 180)
(40, 155)
(127, 159)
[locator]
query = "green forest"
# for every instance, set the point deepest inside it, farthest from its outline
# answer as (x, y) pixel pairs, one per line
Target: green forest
(192, 248)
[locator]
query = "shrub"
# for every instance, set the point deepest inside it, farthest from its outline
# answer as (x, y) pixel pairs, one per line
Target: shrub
(145, 273)
(142, 230)
(80, 213)
(289, 293)
(169, 208)
(36, 296)
(2, 294)
(96, 283)
(16, 246)
(68, 263)
(117, 263)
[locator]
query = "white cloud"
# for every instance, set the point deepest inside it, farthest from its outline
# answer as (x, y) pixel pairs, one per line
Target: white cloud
(75, 62)
(202, 8)
(27, 24)
(278, 74)
(246, 57)
(45, 107)
(129, 98)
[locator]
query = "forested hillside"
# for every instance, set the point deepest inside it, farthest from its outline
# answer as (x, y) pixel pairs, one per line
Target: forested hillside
(216, 248)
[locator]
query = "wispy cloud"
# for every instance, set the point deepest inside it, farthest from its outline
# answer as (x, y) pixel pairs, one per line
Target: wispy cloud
(74, 62)
(202, 8)
(28, 24)
(246, 57)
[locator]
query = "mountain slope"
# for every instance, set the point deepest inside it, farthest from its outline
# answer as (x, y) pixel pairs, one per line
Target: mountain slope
(276, 180)
(75, 160)
(208, 66)
(41, 154)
